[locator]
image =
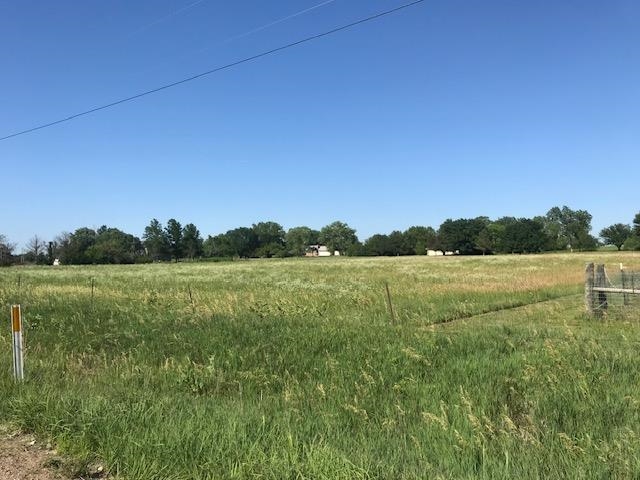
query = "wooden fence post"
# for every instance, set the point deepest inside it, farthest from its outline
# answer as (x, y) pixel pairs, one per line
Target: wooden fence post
(193, 307)
(601, 281)
(625, 296)
(588, 289)
(93, 286)
(392, 314)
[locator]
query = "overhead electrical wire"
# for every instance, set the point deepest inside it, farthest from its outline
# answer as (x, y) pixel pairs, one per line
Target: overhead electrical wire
(264, 27)
(215, 70)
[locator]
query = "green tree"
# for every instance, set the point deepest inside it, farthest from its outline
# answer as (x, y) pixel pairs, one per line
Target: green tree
(338, 236)
(114, 246)
(155, 241)
(569, 229)
(242, 242)
(399, 244)
(461, 235)
(485, 241)
(419, 239)
(75, 249)
(191, 241)
(356, 249)
(497, 229)
(297, 239)
(636, 225)
(632, 243)
(586, 242)
(59, 245)
(6, 251)
(377, 245)
(173, 232)
(218, 246)
(270, 239)
(391, 245)
(524, 235)
(616, 234)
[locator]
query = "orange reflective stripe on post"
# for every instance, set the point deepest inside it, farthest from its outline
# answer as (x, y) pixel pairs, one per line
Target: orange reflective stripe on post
(18, 351)
(16, 320)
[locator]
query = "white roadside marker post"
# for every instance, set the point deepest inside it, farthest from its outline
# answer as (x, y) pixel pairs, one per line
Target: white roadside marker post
(18, 355)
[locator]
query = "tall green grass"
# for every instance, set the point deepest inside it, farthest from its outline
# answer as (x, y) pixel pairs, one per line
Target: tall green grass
(291, 369)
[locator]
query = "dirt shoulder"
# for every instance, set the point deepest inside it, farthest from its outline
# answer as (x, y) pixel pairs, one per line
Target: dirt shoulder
(22, 458)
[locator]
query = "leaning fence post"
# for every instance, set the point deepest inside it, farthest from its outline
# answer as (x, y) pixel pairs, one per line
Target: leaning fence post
(392, 314)
(588, 289)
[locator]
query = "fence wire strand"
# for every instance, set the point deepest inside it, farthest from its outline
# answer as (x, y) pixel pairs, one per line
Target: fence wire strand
(622, 279)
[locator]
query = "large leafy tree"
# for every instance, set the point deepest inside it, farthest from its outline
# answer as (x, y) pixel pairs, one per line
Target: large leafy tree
(356, 249)
(399, 244)
(156, 241)
(377, 245)
(616, 234)
(461, 235)
(496, 230)
(173, 232)
(485, 241)
(636, 225)
(297, 239)
(239, 242)
(393, 244)
(524, 235)
(75, 249)
(218, 246)
(270, 238)
(114, 246)
(191, 241)
(418, 239)
(632, 243)
(569, 228)
(338, 236)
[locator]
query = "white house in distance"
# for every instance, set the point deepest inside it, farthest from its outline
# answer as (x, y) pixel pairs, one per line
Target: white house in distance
(318, 251)
(440, 253)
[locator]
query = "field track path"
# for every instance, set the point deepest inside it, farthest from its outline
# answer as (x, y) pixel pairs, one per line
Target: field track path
(453, 320)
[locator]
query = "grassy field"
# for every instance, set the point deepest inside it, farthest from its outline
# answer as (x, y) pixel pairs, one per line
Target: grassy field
(293, 369)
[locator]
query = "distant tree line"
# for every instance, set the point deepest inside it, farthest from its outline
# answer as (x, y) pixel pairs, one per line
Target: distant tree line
(623, 236)
(560, 229)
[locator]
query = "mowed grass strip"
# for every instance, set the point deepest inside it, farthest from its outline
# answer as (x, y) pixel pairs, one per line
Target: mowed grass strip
(291, 369)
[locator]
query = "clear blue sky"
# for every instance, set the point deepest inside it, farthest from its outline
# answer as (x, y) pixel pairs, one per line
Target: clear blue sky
(449, 109)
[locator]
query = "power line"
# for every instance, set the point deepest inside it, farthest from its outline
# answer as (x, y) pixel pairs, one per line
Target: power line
(263, 27)
(215, 70)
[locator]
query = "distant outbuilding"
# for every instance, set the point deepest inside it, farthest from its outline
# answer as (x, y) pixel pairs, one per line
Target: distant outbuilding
(319, 251)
